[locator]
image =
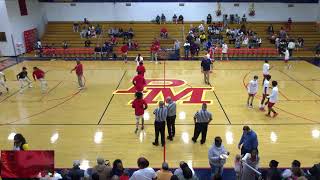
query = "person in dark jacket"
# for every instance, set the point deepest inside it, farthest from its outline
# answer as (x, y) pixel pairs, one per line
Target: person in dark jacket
(274, 173)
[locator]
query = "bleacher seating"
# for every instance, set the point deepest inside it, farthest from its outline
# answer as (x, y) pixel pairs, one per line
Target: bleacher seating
(145, 32)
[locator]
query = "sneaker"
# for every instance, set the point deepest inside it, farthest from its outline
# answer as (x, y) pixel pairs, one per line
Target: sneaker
(193, 140)
(202, 142)
(250, 106)
(275, 115)
(136, 131)
(268, 115)
(155, 144)
(30, 86)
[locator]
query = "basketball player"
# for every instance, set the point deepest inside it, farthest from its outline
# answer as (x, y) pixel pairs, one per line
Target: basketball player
(139, 82)
(286, 58)
(139, 59)
(39, 74)
(141, 68)
(265, 92)
(3, 81)
(265, 70)
(273, 98)
(139, 106)
(206, 68)
(79, 72)
(252, 90)
(23, 77)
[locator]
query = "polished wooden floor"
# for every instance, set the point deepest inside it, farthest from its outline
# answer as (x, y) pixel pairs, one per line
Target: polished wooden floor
(95, 122)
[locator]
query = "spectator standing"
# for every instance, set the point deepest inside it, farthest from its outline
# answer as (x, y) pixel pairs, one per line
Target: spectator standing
(104, 171)
(174, 19)
(224, 51)
(201, 119)
(252, 160)
(20, 143)
(75, 27)
(65, 45)
(158, 19)
(164, 173)
(289, 24)
(209, 19)
(160, 114)
(176, 47)
(244, 18)
(318, 50)
(171, 118)
(97, 51)
(154, 52)
(163, 19)
(270, 29)
(87, 43)
(144, 172)
(217, 156)
(185, 172)
(300, 42)
(186, 49)
(249, 141)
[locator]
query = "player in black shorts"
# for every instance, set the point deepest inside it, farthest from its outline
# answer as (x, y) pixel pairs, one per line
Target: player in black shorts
(23, 78)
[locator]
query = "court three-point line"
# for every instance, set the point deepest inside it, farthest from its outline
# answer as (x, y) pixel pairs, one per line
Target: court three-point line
(105, 110)
(215, 94)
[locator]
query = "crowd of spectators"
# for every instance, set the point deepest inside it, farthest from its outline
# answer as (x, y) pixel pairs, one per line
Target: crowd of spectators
(175, 19)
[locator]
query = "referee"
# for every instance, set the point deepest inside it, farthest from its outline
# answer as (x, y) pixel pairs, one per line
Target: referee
(201, 119)
(171, 118)
(160, 123)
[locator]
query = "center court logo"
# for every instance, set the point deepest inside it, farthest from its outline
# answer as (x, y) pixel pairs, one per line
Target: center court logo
(178, 90)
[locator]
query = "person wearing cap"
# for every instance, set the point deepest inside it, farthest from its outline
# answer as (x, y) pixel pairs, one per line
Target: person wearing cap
(104, 171)
(202, 118)
(171, 118)
(248, 141)
(217, 156)
(206, 68)
(274, 173)
(164, 173)
(160, 123)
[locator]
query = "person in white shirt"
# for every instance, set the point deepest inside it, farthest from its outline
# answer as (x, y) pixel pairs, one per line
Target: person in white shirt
(224, 51)
(201, 28)
(3, 81)
(252, 90)
(139, 59)
(273, 98)
(265, 70)
(265, 92)
(291, 47)
(286, 58)
(144, 172)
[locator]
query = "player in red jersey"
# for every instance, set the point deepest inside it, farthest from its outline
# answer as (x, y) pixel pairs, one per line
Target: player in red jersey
(141, 68)
(39, 75)
(139, 82)
(124, 51)
(79, 71)
(139, 106)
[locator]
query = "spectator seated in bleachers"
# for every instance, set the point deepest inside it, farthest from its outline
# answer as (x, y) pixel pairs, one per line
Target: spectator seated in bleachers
(185, 172)
(164, 172)
(300, 43)
(209, 19)
(201, 28)
(174, 19)
(75, 27)
(237, 19)
(97, 51)
(113, 40)
(83, 33)
(98, 29)
(244, 18)
(118, 171)
(65, 45)
(274, 173)
(158, 19)
(87, 43)
(163, 19)
(180, 19)
(270, 29)
(104, 51)
(76, 172)
(130, 33)
(86, 21)
(145, 172)
(164, 33)
(102, 169)
(282, 33)
(318, 50)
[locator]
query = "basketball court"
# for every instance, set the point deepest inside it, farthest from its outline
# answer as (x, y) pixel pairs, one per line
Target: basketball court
(99, 120)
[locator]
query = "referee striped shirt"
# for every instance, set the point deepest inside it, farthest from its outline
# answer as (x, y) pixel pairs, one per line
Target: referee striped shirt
(160, 114)
(172, 109)
(203, 116)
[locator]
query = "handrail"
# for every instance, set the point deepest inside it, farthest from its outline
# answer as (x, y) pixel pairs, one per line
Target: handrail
(250, 167)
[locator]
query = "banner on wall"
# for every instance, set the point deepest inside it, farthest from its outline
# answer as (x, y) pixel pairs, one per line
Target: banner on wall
(26, 164)
(23, 7)
(30, 39)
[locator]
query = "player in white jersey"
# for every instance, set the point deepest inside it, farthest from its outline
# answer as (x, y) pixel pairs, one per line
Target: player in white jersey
(286, 58)
(265, 92)
(273, 98)
(3, 81)
(265, 70)
(252, 90)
